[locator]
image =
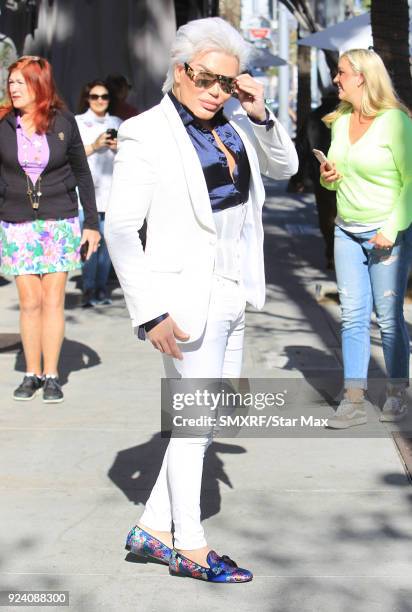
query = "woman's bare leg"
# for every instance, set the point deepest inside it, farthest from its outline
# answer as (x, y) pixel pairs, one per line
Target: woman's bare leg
(30, 299)
(52, 316)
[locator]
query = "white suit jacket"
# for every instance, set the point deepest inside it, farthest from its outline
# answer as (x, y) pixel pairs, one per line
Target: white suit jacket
(158, 176)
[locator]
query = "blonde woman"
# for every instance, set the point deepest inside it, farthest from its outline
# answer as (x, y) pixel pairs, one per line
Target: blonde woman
(370, 167)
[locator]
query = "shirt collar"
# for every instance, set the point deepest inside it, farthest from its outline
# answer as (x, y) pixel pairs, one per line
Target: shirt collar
(188, 117)
(91, 115)
(20, 127)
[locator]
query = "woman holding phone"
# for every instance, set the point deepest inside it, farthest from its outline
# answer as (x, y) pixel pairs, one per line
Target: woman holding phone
(370, 167)
(98, 129)
(42, 161)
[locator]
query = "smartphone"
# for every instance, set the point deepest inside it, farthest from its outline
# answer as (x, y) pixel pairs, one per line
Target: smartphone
(320, 156)
(83, 251)
(112, 133)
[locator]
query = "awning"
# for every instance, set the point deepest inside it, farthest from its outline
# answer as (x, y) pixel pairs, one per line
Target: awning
(354, 33)
(265, 59)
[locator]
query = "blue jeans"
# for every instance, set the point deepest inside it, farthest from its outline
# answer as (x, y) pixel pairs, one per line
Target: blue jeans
(96, 269)
(369, 277)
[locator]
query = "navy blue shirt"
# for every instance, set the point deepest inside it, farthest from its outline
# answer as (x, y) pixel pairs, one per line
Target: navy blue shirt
(224, 191)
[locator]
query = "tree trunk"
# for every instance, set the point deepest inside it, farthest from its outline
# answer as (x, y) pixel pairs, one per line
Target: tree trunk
(390, 30)
(303, 104)
(186, 10)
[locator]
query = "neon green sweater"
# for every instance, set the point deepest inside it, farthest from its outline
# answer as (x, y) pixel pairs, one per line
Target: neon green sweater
(376, 183)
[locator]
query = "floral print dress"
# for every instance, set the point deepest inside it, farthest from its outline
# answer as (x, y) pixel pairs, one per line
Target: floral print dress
(40, 246)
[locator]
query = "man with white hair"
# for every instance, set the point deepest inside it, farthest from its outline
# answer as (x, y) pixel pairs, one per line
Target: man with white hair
(191, 166)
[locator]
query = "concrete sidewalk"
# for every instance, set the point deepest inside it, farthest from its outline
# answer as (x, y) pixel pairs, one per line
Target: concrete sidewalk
(324, 524)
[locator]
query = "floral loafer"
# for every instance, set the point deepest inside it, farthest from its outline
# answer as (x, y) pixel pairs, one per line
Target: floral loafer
(142, 544)
(221, 569)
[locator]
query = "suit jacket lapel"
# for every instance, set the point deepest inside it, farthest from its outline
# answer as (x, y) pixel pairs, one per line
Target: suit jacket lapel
(192, 167)
(239, 121)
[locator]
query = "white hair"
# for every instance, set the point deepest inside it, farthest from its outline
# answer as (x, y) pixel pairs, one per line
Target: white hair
(202, 35)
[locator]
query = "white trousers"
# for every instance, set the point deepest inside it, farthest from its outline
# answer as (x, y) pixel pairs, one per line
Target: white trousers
(217, 354)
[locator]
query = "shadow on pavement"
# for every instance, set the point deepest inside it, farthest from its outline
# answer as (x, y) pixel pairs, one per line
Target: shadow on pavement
(135, 471)
(338, 558)
(4, 281)
(29, 548)
(74, 356)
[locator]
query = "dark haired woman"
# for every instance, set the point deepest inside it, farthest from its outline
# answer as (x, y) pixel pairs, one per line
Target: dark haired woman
(100, 145)
(42, 160)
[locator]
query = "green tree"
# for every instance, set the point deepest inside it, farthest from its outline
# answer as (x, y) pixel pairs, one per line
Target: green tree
(8, 55)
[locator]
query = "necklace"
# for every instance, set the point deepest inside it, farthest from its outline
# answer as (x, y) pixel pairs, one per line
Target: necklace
(35, 193)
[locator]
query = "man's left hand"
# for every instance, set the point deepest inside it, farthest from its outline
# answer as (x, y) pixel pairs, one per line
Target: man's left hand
(250, 94)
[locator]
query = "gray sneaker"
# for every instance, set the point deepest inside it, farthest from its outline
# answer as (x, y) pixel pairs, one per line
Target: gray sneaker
(349, 414)
(394, 409)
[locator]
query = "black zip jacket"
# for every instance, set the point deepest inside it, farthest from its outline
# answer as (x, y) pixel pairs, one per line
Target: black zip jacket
(66, 169)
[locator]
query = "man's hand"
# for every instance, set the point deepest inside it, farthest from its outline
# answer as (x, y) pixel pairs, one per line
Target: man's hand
(163, 335)
(251, 96)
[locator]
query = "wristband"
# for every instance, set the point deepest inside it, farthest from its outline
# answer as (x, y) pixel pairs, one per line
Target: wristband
(146, 327)
(267, 122)
(151, 324)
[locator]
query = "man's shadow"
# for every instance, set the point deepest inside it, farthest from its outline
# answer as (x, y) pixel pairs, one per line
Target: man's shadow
(74, 356)
(135, 470)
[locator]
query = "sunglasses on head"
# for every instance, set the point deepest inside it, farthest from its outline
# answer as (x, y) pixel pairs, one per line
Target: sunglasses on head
(205, 80)
(31, 58)
(97, 96)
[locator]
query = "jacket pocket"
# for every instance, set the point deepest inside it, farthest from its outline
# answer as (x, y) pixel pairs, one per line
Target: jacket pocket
(3, 190)
(71, 185)
(165, 264)
(3, 187)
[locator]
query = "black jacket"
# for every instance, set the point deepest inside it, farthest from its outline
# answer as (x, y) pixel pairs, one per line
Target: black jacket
(66, 169)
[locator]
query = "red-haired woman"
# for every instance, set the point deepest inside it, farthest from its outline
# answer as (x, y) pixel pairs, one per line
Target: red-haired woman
(42, 160)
